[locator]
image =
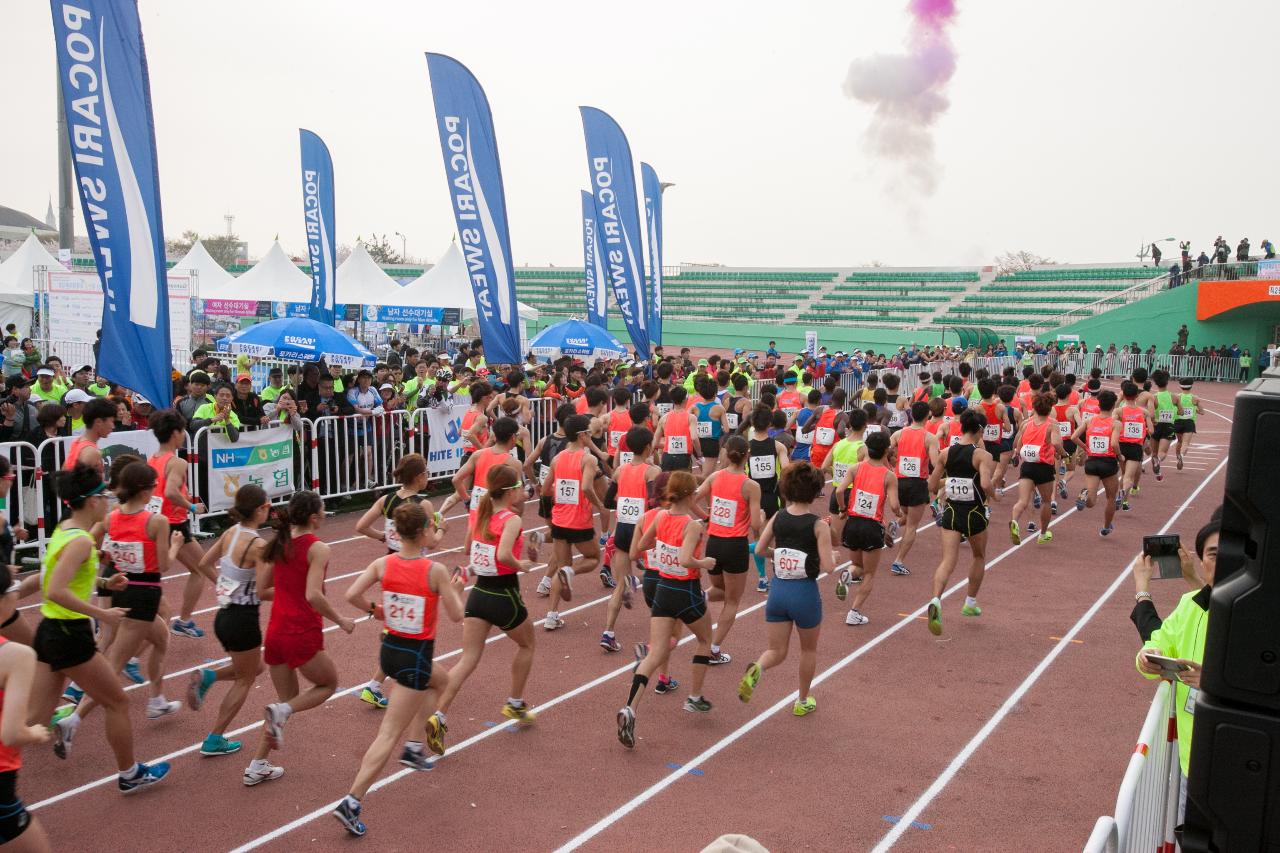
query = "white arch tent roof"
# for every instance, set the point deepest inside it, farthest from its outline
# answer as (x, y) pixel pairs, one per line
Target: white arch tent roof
(359, 276)
(445, 285)
(17, 283)
(274, 279)
(209, 273)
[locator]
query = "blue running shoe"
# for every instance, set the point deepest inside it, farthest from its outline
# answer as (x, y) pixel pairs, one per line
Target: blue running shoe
(219, 745)
(201, 680)
(148, 774)
(762, 585)
(133, 672)
(73, 694)
(186, 629)
(349, 816)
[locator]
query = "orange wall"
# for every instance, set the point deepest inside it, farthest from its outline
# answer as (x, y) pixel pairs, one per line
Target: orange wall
(1216, 297)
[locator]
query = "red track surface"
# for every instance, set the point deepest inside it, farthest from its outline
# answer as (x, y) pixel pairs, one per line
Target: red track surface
(897, 706)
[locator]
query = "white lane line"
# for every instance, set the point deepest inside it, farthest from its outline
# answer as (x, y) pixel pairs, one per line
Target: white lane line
(918, 807)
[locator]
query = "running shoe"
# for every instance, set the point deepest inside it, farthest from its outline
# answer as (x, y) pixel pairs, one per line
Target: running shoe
(893, 530)
(524, 714)
(700, 705)
(186, 629)
(604, 540)
(936, 510)
(762, 585)
(1135, 490)
(629, 587)
(1053, 507)
(349, 816)
(544, 587)
(641, 652)
(1119, 499)
(854, 579)
(436, 730)
(1015, 535)
(935, 617)
(1031, 527)
(552, 621)
(133, 672)
(162, 708)
(532, 542)
(606, 578)
(1035, 500)
(264, 772)
(201, 680)
(627, 727)
(1062, 470)
(566, 582)
(1045, 537)
(147, 774)
(1062, 488)
(1155, 468)
(971, 610)
(219, 745)
(374, 696)
(274, 717)
(747, 686)
(842, 584)
(667, 686)
(1179, 455)
(1081, 500)
(73, 694)
(899, 569)
(1124, 505)
(804, 707)
(855, 618)
(62, 713)
(610, 643)
(415, 758)
(718, 658)
(1159, 478)
(64, 731)
(1107, 531)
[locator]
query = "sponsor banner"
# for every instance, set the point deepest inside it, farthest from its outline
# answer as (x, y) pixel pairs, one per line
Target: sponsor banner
(102, 69)
(141, 442)
(317, 212)
(410, 314)
(444, 447)
(470, 150)
(653, 231)
(230, 307)
(262, 457)
(593, 277)
(73, 305)
(1269, 269)
(291, 309)
(613, 188)
(811, 343)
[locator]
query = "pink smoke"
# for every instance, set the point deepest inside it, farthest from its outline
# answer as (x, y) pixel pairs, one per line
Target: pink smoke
(907, 91)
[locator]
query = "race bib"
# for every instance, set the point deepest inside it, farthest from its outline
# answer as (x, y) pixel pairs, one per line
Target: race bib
(1064, 428)
(668, 557)
(1188, 412)
(1133, 429)
(873, 428)
(838, 470)
(625, 457)
(826, 435)
(155, 505)
(630, 510)
(1030, 453)
(663, 408)
(477, 492)
(991, 432)
(567, 492)
(126, 556)
(1164, 416)
(704, 429)
(789, 563)
(1099, 445)
(724, 512)
(865, 503)
(403, 612)
(225, 589)
(677, 445)
(789, 411)
(804, 437)
(960, 489)
(484, 558)
(392, 537)
(909, 466)
(952, 441)
(514, 453)
(763, 467)
(732, 419)
(615, 436)
(1006, 431)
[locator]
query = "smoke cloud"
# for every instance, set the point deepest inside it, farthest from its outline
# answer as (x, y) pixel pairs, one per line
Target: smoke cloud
(908, 92)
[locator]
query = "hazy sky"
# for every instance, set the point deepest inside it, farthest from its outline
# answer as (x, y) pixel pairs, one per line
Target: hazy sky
(1075, 130)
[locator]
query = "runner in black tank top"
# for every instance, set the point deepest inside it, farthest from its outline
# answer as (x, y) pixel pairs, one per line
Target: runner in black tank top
(796, 532)
(764, 449)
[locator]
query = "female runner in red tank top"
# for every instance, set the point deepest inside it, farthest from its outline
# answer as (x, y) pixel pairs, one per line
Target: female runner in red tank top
(632, 499)
(734, 517)
(497, 543)
(868, 488)
(413, 589)
(1038, 446)
(1099, 436)
(675, 536)
(570, 483)
(293, 576)
(175, 504)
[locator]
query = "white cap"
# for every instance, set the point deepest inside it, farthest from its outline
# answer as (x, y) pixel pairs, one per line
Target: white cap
(75, 395)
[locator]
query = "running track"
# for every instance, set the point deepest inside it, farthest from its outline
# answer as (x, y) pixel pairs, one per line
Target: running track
(1009, 732)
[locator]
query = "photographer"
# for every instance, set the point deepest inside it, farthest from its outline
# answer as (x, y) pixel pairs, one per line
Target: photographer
(19, 415)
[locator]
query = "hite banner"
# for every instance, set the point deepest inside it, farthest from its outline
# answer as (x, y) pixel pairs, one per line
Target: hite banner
(317, 212)
(593, 277)
(613, 188)
(479, 205)
(102, 67)
(653, 231)
(444, 431)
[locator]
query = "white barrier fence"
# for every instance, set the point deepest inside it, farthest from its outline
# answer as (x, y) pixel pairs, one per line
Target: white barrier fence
(1147, 804)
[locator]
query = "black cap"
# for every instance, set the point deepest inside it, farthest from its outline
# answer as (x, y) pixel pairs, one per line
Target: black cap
(16, 381)
(275, 371)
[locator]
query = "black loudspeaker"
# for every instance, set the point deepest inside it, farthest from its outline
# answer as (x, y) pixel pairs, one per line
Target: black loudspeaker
(1233, 793)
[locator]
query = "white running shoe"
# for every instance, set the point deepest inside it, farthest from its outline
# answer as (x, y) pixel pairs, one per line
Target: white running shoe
(544, 587)
(855, 618)
(265, 773)
(552, 621)
(162, 708)
(274, 718)
(566, 582)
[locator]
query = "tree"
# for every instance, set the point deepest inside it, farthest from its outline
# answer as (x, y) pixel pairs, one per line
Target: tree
(182, 245)
(224, 248)
(342, 252)
(1020, 261)
(379, 248)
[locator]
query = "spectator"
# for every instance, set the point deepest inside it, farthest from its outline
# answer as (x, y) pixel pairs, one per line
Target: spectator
(197, 395)
(1203, 260)
(1175, 276)
(30, 356)
(1222, 253)
(1242, 250)
(246, 404)
(1186, 265)
(1183, 334)
(1246, 364)
(17, 411)
(218, 415)
(1155, 255)
(394, 357)
(1268, 250)
(97, 348)
(14, 360)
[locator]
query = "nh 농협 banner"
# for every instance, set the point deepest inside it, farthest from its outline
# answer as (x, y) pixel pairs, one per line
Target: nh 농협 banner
(592, 271)
(102, 69)
(471, 163)
(613, 188)
(317, 212)
(262, 457)
(444, 430)
(653, 231)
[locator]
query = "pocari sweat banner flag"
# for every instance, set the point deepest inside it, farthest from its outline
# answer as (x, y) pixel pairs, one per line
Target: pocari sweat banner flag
(102, 67)
(613, 188)
(479, 205)
(317, 212)
(653, 231)
(592, 270)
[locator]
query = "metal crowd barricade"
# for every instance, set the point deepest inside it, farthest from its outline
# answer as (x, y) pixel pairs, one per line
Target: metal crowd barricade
(1147, 803)
(24, 507)
(358, 453)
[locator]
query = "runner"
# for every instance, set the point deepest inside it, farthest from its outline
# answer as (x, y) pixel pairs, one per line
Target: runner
(292, 576)
(801, 546)
(825, 427)
(634, 485)
(175, 504)
(733, 504)
(766, 456)
(494, 602)
(475, 423)
(1100, 435)
(675, 435)
(572, 525)
(468, 483)
(536, 468)
(1067, 416)
(1135, 427)
(237, 555)
(99, 422)
(64, 639)
(675, 536)
(1189, 408)
(848, 451)
(864, 492)
(1163, 411)
(1038, 446)
(1013, 418)
(712, 423)
(737, 406)
(917, 455)
(797, 422)
(413, 589)
(964, 475)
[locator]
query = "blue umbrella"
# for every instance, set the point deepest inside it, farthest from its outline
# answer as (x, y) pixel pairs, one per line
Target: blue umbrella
(577, 339)
(298, 339)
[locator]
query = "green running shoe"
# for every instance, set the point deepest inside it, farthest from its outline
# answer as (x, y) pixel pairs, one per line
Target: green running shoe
(61, 714)
(1015, 533)
(935, 617)
(1045, 537)
(805, 706)
(971, 610)
(747, 686)
(219, 745)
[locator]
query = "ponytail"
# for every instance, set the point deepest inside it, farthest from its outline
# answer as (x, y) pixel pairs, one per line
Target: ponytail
(301, 507)
(500, 480)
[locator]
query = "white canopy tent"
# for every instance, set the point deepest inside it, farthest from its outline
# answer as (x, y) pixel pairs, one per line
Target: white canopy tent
(445, 285)
(209, 273)
(359, 275)
(273, 279)
(17, 283)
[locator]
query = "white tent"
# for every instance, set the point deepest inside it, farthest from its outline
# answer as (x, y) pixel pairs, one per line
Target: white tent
(445, 285)
(17, 283)
(359, 275)
(272, 279)
(209, 273)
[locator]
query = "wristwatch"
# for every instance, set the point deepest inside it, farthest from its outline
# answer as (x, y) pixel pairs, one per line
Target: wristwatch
(1142, 596)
